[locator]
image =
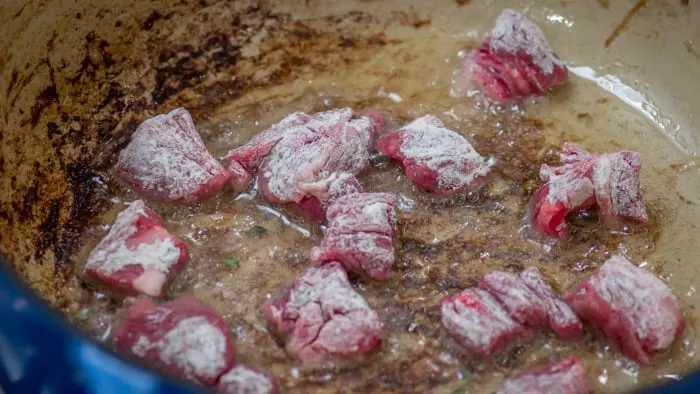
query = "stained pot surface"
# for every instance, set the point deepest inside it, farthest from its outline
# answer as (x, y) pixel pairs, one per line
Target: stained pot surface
(79, 78)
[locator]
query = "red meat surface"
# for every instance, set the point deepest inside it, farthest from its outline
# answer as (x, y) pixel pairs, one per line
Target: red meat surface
(611, 181)
(522, 304)
(323, 193)
(303, 150)
(532, 302)
(138, 255)
(324, 320)
(560, 316)
(167, 160)
(361, 227)
(242, 379)
(633, 308)
(435, 158)
(563, 377)
(515, 61)
(182, 338)
(477, 321)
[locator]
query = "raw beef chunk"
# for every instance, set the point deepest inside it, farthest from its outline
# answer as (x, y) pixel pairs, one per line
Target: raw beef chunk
(522, 304)
(560, 316)
(304, 149)
(515, 61)
(435, 158)
(563, 377)
(242, 379)
(323, 193)
(183, 338)
(609, 180)
(532, 302)
(633, 308)
(477, 321)
(167, 160)
(361, 227)
(138, 255)
(324, 319)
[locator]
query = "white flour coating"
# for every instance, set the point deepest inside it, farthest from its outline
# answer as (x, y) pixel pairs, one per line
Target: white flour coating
(296, 159)
(323, 300)
(336, 185)
(245, 380)
(641, 297)
(616, 183)
(560, 314)
(329, 142)
(194, 344)
(570, 183)
(327, 285)
(477, 329)
(450, 155)
(166, 155)
(613, 179)
(372, 251)
(555, 380)
(277, 130)
(112, 254)
(359, 235)
(324, 122)
(160, 255)
(513, 33)
(251, 154)
(520, 301)
(570, 190)
(372, 212)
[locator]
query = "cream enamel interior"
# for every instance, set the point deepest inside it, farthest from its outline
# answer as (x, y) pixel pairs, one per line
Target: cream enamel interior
(650, 77)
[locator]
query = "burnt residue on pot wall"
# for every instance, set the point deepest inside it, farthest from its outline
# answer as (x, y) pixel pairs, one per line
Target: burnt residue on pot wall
(78, 82)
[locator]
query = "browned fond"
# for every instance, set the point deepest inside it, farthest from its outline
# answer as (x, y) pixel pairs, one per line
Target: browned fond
(72, 96)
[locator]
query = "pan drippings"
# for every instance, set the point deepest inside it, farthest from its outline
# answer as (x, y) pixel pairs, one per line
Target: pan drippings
(244, 249)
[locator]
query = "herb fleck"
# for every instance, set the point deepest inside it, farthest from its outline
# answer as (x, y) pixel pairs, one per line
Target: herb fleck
(464, 374)
(232, 263)
(257, 230)
(82, 315)
(461, 390)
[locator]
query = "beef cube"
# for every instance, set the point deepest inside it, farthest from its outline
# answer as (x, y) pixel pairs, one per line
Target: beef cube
(335, 186)
(243, 162)
(560, 316)
(360, 233)
(167, 160)
(242, 379)
(515, 61)
(182, 338)
(303, 150)
(324, 192)
(523, 305)
(563, 377)
(532, 302)
(633, 308)
(477, 321)
(138, 255)
(324, 320)
(609, 180)
(435, 158)
(379, 124)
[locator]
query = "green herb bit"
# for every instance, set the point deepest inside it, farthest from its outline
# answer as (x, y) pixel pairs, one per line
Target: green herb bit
(464, 374)
(232, 263)
(258, 229)
(82, 315)
(461, 390)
